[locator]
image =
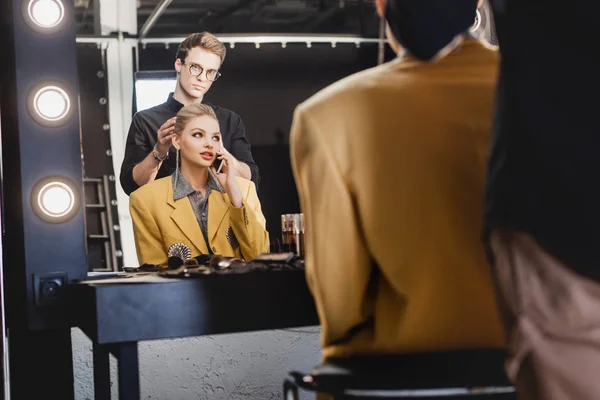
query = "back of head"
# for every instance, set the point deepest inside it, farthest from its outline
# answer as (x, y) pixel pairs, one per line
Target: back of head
(192, 111)
(424, 27)
(204, 40)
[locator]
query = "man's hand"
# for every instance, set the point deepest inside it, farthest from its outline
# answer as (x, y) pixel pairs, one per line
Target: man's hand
(165, 132)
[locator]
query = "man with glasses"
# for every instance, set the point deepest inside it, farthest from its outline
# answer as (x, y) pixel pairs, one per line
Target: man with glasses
(148, 152)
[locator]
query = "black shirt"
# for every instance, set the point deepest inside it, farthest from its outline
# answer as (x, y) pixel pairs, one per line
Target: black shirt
(143, 132)
(545, 162)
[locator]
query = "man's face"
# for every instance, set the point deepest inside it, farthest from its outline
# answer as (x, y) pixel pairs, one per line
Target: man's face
(197, 60)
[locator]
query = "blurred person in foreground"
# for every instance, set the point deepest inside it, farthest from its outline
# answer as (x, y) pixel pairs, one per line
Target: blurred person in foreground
(543, 203)
(390, 166)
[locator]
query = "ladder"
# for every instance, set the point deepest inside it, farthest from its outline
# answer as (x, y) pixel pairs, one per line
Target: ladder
(101, 207)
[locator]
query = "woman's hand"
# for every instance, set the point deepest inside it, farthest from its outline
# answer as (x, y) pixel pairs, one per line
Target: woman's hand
(227, 178)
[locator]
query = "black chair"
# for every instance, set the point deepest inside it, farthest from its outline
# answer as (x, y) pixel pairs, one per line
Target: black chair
(465, 374)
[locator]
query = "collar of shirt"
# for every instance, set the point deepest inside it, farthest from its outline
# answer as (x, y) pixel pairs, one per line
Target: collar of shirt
(183, 189)
(174, 104)
(463, 39)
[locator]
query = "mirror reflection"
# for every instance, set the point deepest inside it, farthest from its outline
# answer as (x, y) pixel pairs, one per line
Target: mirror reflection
(204, 204)
(252, 89)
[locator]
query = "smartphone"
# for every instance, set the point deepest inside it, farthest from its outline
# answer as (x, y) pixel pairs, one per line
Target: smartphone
(218, 164)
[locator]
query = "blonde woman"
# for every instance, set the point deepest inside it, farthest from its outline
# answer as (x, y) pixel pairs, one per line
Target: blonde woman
(210, 211)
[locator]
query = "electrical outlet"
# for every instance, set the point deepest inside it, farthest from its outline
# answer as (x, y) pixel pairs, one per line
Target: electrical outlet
(48, 288)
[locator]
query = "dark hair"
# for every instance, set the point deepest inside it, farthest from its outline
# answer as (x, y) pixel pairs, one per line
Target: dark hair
(426, 27)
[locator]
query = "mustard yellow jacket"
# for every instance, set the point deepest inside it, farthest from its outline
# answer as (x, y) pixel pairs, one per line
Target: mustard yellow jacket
(390, 166)
(159, 222)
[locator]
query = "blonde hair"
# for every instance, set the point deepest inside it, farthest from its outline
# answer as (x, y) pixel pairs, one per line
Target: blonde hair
(204, 40)
(192, 111)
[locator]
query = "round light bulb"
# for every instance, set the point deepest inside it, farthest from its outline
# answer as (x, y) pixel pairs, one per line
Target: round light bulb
(51, 103)
(46, 13)
(56, 199)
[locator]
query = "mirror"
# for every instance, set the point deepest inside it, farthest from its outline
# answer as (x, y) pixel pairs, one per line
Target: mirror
(263, 83)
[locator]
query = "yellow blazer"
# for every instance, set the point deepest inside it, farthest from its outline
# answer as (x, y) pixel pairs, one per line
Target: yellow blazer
(159, 222)
(390, 166)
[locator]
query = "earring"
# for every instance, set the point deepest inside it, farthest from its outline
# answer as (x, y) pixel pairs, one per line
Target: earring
(176, 166)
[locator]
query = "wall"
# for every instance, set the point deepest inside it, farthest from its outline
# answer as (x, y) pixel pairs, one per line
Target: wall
(240, 366)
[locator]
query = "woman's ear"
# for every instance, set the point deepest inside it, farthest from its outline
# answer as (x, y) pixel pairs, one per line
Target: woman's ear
(175, 141)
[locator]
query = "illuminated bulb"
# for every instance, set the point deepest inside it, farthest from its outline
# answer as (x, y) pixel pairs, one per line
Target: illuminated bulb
(283, 44)
(308, 44)
(257, 45)
(56, 199)
(51, 103)
(232, 45)
(46, 13)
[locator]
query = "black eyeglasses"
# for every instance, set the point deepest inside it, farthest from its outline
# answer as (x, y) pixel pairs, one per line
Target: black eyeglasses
(196, 70)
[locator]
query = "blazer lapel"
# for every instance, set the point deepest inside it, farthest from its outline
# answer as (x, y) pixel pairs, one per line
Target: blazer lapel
(185, 219)
(218, 205)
